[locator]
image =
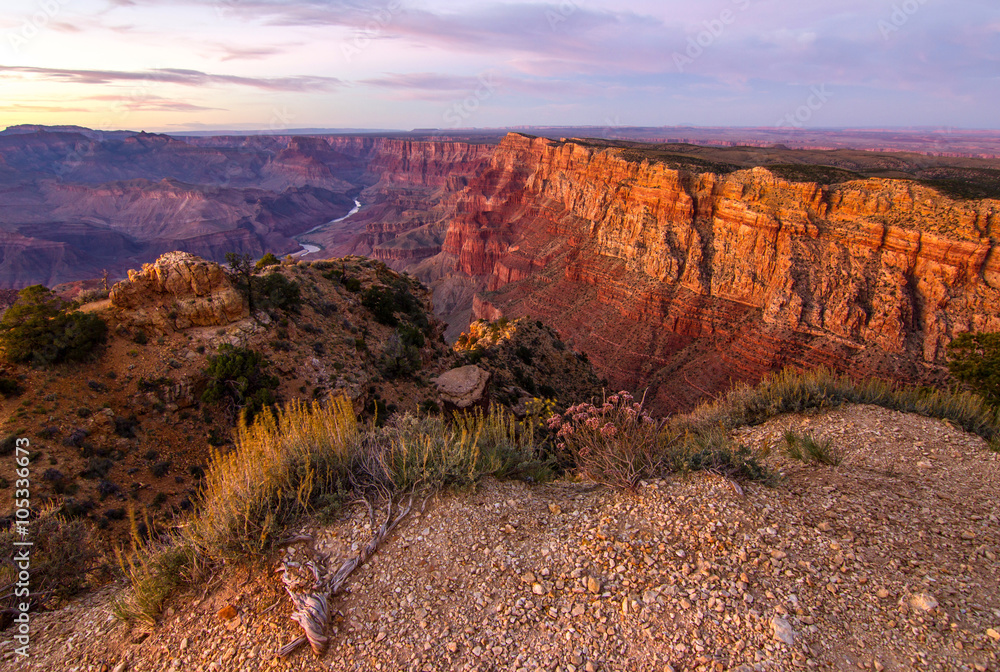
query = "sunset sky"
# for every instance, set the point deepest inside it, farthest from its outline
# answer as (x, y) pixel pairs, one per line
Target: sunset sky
(168, 65)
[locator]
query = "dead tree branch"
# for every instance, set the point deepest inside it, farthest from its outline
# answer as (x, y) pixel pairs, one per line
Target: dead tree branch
(310, 585)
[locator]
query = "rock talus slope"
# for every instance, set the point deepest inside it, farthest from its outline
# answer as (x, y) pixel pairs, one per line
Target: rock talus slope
(685, 282)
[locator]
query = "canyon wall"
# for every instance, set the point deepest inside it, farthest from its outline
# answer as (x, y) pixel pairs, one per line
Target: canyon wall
(686, 282)
(678, 281)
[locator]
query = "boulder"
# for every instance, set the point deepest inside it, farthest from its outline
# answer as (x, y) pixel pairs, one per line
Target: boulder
(463, 386)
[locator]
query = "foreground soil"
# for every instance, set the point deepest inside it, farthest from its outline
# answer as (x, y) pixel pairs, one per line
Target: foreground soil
(887, 561)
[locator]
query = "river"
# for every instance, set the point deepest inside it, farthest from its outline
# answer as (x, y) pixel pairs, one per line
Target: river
(309, 248)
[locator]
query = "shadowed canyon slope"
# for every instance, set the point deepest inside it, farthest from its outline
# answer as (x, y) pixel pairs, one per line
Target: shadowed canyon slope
(685, 282)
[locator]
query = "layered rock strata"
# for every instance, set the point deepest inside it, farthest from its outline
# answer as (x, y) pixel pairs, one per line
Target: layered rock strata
(687, 282)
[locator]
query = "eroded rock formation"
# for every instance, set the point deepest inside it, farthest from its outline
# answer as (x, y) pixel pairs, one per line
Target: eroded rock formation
(179, 290)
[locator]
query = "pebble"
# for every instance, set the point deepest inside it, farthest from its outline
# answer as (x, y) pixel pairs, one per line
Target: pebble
(227, 613)
(783, 631)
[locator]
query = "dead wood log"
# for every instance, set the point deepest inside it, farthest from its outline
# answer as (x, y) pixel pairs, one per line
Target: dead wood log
(310, 585)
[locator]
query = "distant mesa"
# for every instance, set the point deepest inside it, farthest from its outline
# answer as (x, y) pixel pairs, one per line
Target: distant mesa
(24, 129)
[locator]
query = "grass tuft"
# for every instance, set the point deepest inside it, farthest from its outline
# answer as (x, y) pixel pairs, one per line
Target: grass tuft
(415, 452)
(153, 570)
(807, 448)
(280, 463)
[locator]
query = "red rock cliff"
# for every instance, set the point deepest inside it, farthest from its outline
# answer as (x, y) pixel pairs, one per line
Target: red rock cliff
(686, 282)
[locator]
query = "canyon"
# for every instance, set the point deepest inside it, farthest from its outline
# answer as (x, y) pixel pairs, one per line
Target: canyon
(684, 283)
(678, 270)
(74, 203)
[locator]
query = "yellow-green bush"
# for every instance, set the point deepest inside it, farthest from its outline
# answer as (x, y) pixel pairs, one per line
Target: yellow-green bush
(792, 391)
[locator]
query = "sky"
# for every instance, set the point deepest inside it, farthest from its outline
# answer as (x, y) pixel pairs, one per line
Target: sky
(173, 65)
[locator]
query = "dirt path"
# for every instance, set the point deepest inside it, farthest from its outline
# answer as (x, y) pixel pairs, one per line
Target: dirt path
(888, 561)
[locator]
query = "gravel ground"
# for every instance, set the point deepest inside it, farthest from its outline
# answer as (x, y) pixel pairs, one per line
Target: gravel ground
(887, 561)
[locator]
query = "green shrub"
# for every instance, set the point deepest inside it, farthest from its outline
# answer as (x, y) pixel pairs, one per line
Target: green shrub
(41, 330)
(274, 290)
(386, 301)
(411, 335)
(153, 384)
(398, 359)
(974, 358)
(808, 448)
(8, 444)
(9, 387)
(379, 301)
(473, 356)
(712, 450)
(97, 467)
(125, 426)
(140, 337)
(237, 379)
(267, 260)
(160, 469)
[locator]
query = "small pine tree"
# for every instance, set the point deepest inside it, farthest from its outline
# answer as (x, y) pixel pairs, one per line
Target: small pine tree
(267, 260)
(237, 378)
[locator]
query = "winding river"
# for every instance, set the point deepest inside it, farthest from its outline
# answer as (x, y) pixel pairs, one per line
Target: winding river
(308, 248)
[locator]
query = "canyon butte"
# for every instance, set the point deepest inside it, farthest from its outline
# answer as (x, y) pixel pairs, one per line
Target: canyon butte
(677, 268)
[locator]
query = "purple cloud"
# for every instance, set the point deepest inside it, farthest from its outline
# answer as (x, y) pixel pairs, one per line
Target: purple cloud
(179, 76)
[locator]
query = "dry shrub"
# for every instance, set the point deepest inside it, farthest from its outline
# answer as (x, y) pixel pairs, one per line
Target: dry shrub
(280, 463)
(417, 452)
(791, 391)
(616, 442)
(62, 557)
